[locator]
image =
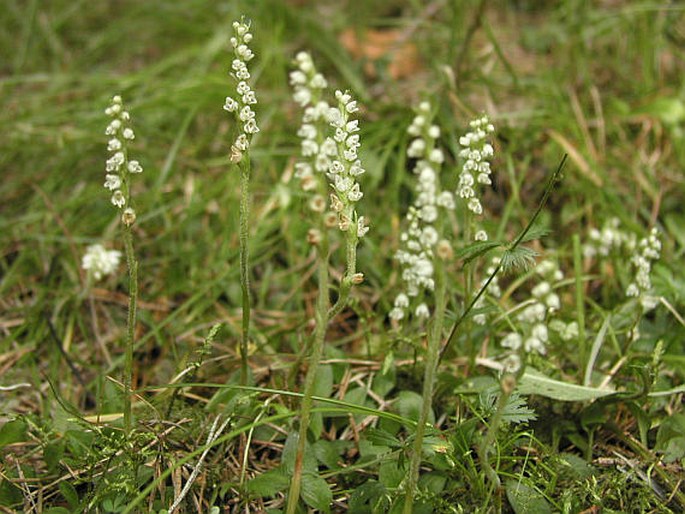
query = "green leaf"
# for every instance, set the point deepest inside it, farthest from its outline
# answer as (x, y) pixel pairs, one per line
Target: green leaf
(323, 387)
(520, 258)
(290, 451)
(409, 405)
(534, 382)
(52, 453)
(316, 493)
(526, 500)
(269, 483)
(517, 411)
(535, 233)
(70, 494)
(391, 474)
(328, 453)
(380, 437)
(369, 498)
(477, 249)
(670, 438)
(13, 432)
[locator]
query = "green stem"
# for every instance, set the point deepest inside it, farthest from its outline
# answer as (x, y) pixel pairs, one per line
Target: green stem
(490, 436)
(543, 201)
(245, 263)
(351, 242)
(431, 366)
(317, 346)
(131, 326)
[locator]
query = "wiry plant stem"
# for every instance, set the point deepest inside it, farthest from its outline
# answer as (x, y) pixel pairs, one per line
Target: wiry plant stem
(131, 326)
(431, 366)
(322, 318)
(245, 264)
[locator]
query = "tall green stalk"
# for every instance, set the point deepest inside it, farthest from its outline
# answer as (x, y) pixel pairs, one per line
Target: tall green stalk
(244, 166)
(431, 366)
(317, 346)
(131, 326)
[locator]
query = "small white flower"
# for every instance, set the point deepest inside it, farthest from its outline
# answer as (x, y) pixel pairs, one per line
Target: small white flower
(134, 167)
(112, 182)
(422, 311)
(118, 199)
(128, 134)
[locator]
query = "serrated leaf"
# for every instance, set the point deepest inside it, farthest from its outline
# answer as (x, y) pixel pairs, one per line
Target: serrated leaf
(535, 233)
(316, 493)
(477, 249)
(526, 500)
(269, 483)
(534, 382)
(517, 411)
(520, 258)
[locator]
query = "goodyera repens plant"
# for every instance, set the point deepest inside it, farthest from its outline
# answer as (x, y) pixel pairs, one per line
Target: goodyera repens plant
(245, 117)
(119, 170)
(329, 166)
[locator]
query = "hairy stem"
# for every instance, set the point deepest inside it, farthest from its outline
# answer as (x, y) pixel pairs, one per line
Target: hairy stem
(244, 264)
(431, 366)
(317, 346)
(131, 326)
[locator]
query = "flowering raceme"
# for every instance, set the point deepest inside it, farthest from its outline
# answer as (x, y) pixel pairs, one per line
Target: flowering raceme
(421, 240)
(119, 167)
(476, 151)
(245, 97)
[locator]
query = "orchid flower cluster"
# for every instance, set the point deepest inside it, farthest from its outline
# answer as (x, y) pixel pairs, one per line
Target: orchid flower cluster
(245, 96)
(119, 167)
(476, 151)
(649, 251)
(345, 165)
(610, 238)
(537, 317)
(99, 262)
(421, 240)
(642, 254)
(316, 150)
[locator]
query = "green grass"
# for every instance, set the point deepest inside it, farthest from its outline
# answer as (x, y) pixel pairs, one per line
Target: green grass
(603, 84)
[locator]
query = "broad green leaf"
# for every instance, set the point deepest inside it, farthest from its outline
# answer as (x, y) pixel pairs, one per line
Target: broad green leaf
(669, 110)
(526, 500)
(13, 432)
(70, 494)
(391, 474)
(316, 493)
(534, 382)
(670, 438)
(290, 451)
(409, 405)
(269, 483)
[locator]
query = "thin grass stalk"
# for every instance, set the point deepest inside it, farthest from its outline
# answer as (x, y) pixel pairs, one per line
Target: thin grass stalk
(131, 326)
(322, 318)
(244, 166)
(431, 367)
